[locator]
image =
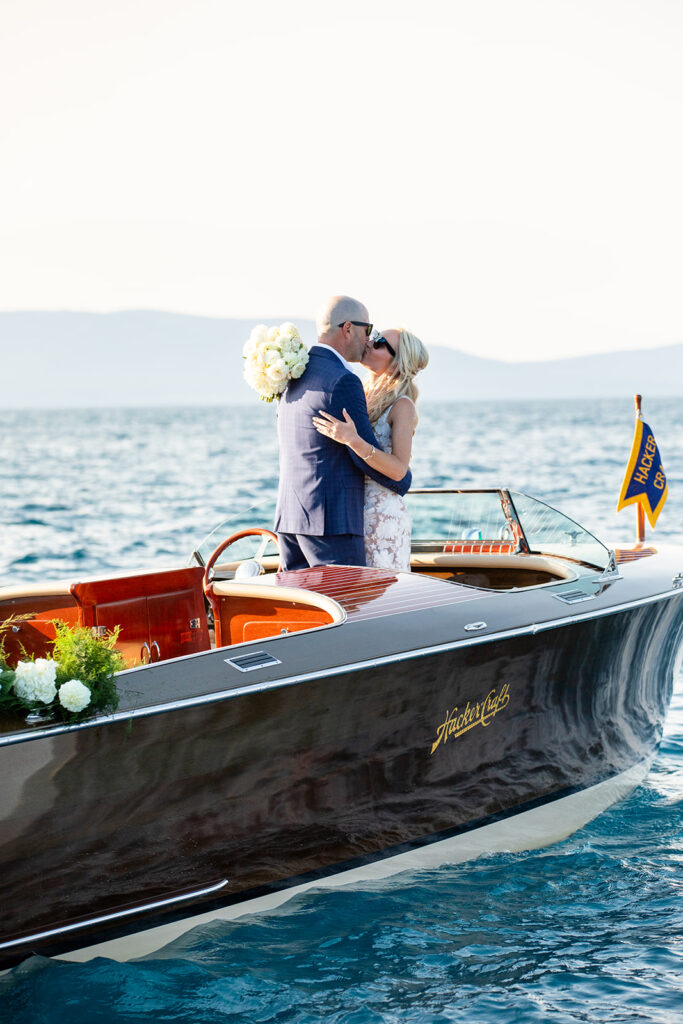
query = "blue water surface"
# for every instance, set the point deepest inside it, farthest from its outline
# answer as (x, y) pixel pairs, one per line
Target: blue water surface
(588, 930)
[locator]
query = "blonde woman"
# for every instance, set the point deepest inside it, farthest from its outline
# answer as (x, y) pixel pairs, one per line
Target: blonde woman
(393, 358)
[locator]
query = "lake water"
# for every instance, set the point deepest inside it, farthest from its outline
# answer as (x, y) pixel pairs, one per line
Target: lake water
(589, 930)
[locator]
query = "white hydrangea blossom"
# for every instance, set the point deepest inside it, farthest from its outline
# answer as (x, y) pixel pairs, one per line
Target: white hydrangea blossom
(74, 695)
(272, 357)
(35, 680)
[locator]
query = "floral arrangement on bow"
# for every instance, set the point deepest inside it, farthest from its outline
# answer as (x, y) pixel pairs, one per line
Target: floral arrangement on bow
(272, 357)
(75, 682)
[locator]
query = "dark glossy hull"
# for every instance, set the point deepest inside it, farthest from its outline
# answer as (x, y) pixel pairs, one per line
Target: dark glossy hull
(264, 786)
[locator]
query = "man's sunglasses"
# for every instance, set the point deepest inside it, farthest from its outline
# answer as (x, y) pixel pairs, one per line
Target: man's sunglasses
(359, 323)
(378, 342)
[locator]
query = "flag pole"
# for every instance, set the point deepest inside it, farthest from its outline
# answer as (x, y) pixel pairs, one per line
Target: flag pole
(640, 511)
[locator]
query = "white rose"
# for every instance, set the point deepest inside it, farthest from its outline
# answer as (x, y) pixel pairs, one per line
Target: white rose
(259, 334)
(263, 385)
(256, 340)
(277, 371)
(273, 334)
(257, 380)
(288, 330)
(297, 370)
(35, 680)
(74, 695)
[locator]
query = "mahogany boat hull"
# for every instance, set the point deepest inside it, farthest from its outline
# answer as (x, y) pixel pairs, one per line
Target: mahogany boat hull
(216, 790)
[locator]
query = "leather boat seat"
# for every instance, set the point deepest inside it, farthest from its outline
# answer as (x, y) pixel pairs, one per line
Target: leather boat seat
(161, 614)
(259, 609)
(492, 570)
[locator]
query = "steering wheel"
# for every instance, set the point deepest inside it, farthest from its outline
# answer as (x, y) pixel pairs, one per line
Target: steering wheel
(255, 531)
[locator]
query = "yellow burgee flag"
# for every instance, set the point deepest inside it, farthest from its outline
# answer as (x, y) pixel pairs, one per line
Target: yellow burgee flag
(645, 481)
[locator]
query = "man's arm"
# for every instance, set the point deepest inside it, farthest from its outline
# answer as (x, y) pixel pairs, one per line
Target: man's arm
(349, 395)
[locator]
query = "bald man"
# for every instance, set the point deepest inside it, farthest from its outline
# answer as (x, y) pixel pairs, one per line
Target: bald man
(319, 516)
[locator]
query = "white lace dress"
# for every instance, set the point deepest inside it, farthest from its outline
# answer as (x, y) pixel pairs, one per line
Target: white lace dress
(387, 520)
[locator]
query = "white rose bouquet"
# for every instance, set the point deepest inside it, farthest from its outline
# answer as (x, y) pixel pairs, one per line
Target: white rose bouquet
(272, 357)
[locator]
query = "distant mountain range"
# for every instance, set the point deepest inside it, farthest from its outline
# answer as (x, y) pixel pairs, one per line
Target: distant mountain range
(140, 357)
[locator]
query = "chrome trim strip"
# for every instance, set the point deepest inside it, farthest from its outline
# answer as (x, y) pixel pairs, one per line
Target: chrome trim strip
(274, 684)
(115, 916)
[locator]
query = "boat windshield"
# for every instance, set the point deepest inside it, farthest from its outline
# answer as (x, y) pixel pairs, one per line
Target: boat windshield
(510, 519)
(551, 532)
(443, 519)
(260, 514)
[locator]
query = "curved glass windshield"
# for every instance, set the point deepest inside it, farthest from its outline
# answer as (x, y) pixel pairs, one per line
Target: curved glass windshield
(447, 516)
(464, 519)
(261, 514)
(552, 533)
(468, 519)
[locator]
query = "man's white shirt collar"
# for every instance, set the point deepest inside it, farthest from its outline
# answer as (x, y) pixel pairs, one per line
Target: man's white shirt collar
(320, 344)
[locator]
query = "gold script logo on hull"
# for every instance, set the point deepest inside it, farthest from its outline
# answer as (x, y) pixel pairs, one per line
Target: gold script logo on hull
(457, 722)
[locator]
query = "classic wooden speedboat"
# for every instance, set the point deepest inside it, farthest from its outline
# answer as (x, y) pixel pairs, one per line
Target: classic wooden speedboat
(289, 729)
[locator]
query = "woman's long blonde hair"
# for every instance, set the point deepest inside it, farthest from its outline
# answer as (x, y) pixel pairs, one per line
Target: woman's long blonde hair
(399, 380)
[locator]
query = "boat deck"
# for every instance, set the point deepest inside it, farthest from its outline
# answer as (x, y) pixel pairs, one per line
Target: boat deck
(368, 593)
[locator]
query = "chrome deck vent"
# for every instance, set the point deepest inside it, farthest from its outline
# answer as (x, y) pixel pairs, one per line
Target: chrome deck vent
(248, 662)
(574, 596)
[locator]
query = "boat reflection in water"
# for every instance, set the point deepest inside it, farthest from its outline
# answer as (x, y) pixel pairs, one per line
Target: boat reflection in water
(332, 724)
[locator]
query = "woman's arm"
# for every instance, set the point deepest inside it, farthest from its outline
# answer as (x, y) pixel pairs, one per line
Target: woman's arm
(348, 394)
(402, 418)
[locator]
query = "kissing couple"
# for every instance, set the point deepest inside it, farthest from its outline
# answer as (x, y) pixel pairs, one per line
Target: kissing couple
(345, 447)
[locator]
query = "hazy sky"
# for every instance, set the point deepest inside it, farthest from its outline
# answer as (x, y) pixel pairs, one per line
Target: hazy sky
(505, 177)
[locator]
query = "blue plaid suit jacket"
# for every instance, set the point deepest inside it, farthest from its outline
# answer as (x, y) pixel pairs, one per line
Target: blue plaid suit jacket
(321, 481)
